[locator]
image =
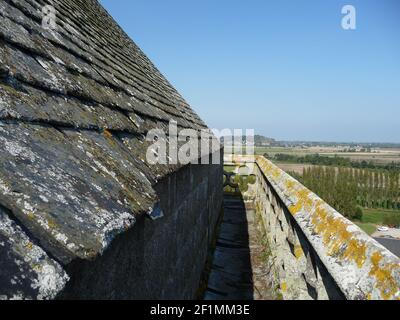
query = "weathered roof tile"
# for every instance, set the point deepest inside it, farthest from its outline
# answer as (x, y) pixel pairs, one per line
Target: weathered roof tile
(75, 106)
(27, 272)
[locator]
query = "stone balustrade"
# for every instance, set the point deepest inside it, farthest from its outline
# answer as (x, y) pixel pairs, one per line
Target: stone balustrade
(316, 252)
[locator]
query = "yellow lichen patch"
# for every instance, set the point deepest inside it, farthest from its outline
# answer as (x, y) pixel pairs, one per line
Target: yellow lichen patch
(37, 267)
(259, 207)
(283, 287)
(335, 236)
(29, 245)
(318, 219)
(298, 251)
(303, 202)
(276, 172)
(51, 223)
(290, 184)
(385, 281)
(269, 168)
(31, 215)
(356, 251)
(107, 133)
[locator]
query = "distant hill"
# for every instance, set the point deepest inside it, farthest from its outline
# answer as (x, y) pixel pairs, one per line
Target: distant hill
(259, 141)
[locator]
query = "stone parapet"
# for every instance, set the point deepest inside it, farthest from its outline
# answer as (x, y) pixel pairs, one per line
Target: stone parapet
(317, 252)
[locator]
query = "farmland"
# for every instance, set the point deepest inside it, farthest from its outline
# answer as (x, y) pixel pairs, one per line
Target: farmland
(294, 167)
(372, 218)
(376, 155)
(362, 184)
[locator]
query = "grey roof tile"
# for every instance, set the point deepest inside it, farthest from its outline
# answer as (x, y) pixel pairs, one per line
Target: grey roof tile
(27, 272)
(76, 104)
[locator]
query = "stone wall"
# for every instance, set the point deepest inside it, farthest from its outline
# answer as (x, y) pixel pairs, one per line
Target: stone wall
(162, 258)
(315, 251)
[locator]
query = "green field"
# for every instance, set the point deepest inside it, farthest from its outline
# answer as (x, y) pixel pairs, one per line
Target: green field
(381, 156)
(376, 215)
(372, 218)
(368, 228)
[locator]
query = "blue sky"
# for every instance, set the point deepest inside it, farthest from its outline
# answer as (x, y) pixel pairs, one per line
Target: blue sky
(284, 68)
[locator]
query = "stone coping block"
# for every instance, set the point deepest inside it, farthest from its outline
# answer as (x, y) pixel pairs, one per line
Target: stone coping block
(361, 267)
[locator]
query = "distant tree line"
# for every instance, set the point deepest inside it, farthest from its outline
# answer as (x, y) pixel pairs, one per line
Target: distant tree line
(336, 161)
(349, 190)
(338, 144)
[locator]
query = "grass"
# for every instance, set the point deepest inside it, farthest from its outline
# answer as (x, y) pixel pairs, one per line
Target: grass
(368, 228)
(381, 157)
(372, 218)
(376, 216)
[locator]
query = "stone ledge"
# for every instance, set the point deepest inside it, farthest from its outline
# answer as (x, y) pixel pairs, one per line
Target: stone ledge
(361, 267)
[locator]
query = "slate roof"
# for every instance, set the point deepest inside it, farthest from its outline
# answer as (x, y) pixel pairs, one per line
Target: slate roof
(75, 105)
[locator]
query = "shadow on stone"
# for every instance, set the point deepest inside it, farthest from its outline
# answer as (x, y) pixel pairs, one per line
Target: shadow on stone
(231, 276)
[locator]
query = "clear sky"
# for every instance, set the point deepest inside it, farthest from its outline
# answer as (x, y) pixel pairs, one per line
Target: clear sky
(284, 68)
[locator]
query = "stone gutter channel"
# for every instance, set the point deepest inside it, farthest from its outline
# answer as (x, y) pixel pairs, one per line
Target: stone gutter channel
(239, 269)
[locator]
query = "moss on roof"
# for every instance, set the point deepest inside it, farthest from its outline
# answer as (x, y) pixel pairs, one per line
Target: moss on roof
(75, 106)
